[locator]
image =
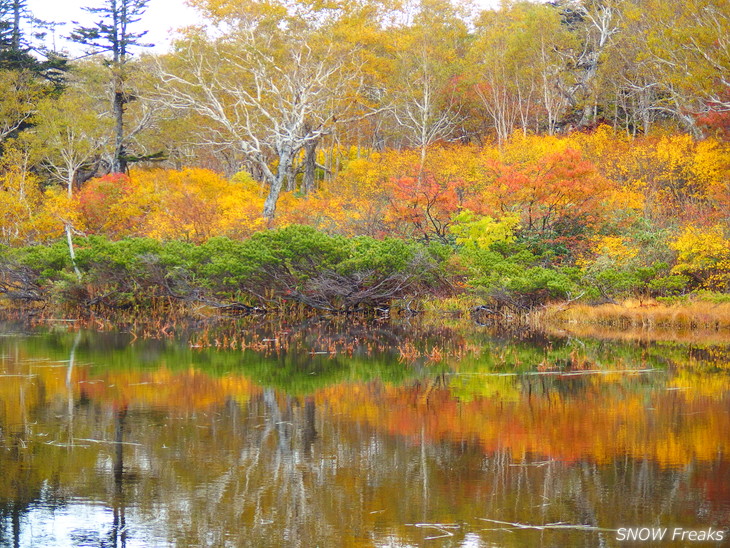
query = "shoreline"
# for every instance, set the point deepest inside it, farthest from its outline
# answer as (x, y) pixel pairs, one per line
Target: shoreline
(647, 319)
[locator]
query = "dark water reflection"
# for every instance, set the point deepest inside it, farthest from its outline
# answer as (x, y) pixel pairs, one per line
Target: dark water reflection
(103, 443)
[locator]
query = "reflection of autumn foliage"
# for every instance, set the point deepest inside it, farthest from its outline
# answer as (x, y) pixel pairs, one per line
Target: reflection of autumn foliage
(188, 391)
(599, 424)
(191, 390)
(568, 418)
(216, 455)
(715, 484)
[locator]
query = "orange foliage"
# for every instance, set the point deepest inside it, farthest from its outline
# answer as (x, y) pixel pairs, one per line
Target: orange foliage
(557, 189)
(563, 188)
(426, 204)
(191, 204)
(545, 426)
(101, 204)
(423, 198)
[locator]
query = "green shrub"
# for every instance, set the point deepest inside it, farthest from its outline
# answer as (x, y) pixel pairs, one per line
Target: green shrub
(296, 263)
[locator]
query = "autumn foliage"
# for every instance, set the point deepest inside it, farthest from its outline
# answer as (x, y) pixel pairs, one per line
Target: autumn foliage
(540, 218)
(191, 205)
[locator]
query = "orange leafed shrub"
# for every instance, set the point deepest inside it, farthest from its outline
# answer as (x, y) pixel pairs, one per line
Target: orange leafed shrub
(107, 205)
(423, 199)
(561, 198)
(191, 204)
(556, 188)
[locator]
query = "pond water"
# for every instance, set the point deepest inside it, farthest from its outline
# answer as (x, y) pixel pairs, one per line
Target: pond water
(380, 435)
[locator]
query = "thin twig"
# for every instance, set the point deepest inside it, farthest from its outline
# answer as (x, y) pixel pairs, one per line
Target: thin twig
(108, 441)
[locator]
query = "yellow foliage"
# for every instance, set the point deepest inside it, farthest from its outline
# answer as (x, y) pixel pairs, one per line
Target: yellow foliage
(60, 207)
(197, 204)
(22, 218)
(704, 254)
(627, 198)
(607, 179)
(523, 149)
(614, 248)
(711, 163)
(191, 204)
(363, 176)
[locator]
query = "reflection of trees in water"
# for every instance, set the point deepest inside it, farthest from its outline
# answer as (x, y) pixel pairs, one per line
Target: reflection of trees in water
(265, 481)
(279, 470)
(118, 533)
(51, 441)
(268, 469)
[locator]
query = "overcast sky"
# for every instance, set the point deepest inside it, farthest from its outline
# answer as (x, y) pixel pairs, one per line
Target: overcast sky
(161, 18)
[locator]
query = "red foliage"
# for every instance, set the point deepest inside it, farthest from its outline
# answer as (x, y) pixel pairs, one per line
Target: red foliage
(426, 205)
(716, 121)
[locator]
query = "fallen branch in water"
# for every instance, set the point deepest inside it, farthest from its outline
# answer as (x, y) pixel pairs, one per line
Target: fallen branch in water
(59, 444)
(107, 441)
(540, 463)
(558, 525)
(562, 373)
(439, 526)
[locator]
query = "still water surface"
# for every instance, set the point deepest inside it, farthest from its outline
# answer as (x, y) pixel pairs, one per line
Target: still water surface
(382, 436)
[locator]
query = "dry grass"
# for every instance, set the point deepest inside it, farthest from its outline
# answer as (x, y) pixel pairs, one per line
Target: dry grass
(693, 315)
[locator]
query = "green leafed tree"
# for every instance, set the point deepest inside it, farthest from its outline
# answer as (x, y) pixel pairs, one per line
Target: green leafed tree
(69, 133)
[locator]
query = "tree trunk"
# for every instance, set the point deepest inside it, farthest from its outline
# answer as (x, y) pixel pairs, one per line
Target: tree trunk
(310, 166)
(71, 251)
(277, 182)
(17, 8)
(119, 163)
(67, 225)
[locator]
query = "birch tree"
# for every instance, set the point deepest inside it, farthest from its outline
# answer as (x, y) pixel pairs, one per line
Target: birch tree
(428, 58)
(683, 54)
(594, 23)
(19, 92)
(519, 67)
(69, 135)
(267, 90)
